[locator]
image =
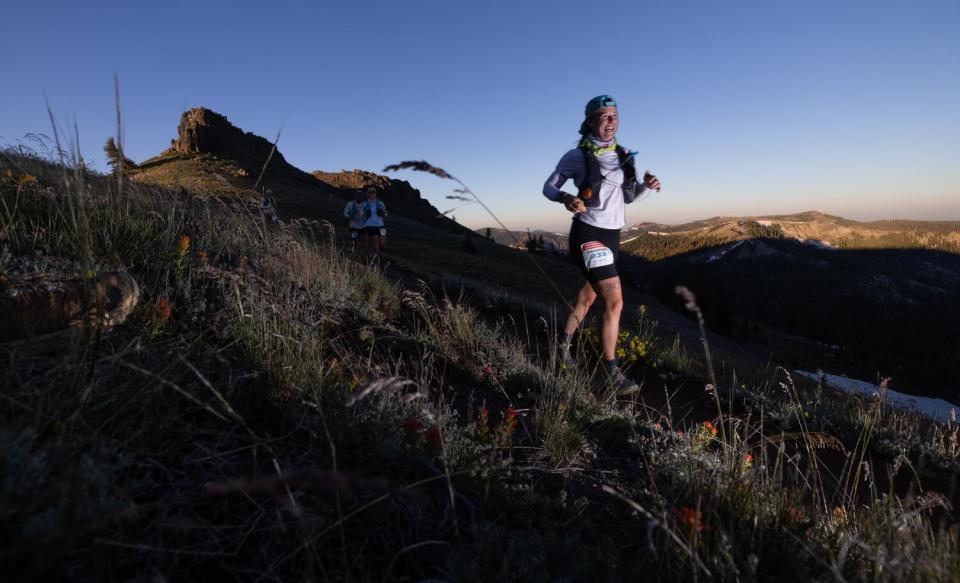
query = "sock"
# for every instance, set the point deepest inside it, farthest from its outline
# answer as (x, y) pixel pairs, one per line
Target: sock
(610, 364)
(567, 341)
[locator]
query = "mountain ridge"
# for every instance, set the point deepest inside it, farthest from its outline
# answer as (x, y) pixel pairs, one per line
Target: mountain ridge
(812, 227)
(210, 155)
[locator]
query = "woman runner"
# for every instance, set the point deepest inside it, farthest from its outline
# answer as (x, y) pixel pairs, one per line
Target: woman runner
(606, 179)
(374, 212)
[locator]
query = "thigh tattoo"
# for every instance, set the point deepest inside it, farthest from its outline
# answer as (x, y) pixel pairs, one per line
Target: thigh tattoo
(610, 285)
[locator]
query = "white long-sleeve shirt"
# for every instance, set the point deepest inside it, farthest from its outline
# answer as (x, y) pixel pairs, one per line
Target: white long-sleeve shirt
(610, 213)
(353, 212)
(369, 210)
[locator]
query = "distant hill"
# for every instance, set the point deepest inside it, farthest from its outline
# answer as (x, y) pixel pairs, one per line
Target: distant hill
(656, 241)
(518, 238)
(212, 156)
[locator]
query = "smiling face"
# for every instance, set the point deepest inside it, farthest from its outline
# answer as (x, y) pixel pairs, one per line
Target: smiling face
(604, 123)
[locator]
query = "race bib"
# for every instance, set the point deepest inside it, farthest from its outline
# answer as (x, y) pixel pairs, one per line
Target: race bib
(596, 254)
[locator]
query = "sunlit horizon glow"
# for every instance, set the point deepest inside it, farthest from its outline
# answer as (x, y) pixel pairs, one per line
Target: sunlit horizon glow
(751, 108)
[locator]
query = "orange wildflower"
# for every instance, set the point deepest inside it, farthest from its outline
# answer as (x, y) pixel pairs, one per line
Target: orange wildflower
(202, 257)
(796, 515)
(710, 428)
(183, 245)
(840, 515)
(163, 309)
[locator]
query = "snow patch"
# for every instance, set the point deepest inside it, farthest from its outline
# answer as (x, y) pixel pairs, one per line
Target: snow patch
(713, 258)
(935, 408)
(825, 245)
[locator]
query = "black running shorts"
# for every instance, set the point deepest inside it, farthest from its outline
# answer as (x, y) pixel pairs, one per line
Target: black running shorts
(594, 250)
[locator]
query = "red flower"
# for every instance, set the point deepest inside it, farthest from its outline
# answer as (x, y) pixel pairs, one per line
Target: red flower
(747, 459)
(690, 519)
(711, 428)
(202, 257)
(510, 420)
(434, 436)
(507, 428)
(483, 421)
(796, 515)
(163, 310)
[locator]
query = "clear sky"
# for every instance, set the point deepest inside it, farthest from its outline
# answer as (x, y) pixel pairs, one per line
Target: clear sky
(851, 108)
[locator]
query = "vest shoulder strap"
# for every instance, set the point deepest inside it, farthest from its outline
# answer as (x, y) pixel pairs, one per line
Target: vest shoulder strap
(591, 168)
(629, 170)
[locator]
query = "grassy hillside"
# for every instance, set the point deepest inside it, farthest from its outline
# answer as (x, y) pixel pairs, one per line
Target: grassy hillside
(275, 408)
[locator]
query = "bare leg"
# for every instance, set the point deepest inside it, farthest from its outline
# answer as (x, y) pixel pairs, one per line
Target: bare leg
(609, 290)
(585, 299)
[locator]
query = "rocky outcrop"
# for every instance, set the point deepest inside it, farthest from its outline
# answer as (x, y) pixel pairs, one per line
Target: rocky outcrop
(202, 131)
(212, 155)
(40, 304)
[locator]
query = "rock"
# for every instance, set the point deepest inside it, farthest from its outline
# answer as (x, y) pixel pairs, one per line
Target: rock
(202, 131)
(40, 304)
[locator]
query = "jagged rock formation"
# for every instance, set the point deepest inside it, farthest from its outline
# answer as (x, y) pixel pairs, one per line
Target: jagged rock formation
(202, 131)
(212, 156)
(41, 304)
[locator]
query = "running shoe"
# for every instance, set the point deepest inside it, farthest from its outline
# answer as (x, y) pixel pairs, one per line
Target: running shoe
(566, 357)
(621, 384)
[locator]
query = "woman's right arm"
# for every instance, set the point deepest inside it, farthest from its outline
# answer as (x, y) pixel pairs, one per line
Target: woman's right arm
(570, 166)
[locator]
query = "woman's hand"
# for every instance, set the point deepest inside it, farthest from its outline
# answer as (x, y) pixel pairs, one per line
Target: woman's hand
(574, 204)
(651, 181)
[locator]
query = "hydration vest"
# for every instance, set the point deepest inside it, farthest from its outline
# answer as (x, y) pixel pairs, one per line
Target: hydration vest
(589, 189)
(375, 208)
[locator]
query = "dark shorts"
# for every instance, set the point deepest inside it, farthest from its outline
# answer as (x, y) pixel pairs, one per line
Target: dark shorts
(594, 250)
(372, 231)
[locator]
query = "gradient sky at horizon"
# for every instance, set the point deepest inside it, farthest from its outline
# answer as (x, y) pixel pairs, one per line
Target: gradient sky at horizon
(851, 108)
